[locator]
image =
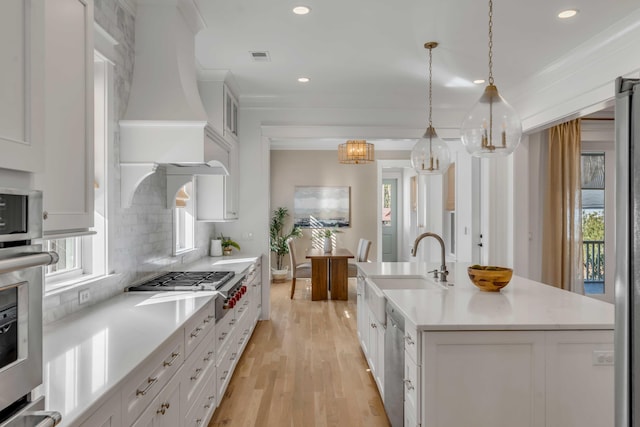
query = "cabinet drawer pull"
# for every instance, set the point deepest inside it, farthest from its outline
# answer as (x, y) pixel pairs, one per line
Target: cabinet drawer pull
(409, 340)
(233, 356)
(196, 332)
(197, 374)
(206, 320)
(150, 383)
(232, 322)
(373, 325)
(209, 354)
(199, 421)
(174, 356)
(222, 335)
(224, 375)
(408, 384)
(163, 408)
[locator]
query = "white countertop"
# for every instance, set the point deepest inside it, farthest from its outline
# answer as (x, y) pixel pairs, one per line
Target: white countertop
(87, 354)
(522, 305)
(236, 263)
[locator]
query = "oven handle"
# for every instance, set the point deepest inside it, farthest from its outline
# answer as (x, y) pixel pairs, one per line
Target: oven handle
(25, 261)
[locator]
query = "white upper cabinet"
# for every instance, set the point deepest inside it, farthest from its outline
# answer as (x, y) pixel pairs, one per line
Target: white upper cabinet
(230, 114)
(217, 195)
(21, 85)
(221, 106)
(68, 180)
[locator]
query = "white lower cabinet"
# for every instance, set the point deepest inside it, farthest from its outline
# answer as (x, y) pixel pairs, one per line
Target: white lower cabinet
(523, 378)
(181, 384)
(108, 415)
(371, 334)
(143, 384)
(362, 315)
(164, 410)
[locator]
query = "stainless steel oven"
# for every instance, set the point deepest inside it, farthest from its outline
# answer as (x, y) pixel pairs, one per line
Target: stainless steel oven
(21, 281)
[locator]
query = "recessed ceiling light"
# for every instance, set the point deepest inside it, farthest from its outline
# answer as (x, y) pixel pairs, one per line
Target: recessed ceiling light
(301, 10)
(478, 81)
(569, 13)
(303, 79)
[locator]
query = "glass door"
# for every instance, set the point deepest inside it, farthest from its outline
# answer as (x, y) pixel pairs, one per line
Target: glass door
(598, 226)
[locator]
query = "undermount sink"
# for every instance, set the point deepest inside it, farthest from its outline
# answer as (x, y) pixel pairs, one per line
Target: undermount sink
(375, 297)
(406, 283)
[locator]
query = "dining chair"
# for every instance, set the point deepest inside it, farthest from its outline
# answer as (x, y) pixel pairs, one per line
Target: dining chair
(298, 271)
(362, 255)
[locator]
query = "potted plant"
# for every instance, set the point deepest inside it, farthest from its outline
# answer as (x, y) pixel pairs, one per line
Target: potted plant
(278, 241)
(228, 244)
(328, 233)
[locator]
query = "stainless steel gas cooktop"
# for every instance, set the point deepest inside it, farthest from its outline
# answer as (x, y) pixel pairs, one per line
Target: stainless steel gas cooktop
(186, 281)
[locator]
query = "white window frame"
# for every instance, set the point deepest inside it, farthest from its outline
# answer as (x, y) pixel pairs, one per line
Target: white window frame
(92, 246)
(184, 223)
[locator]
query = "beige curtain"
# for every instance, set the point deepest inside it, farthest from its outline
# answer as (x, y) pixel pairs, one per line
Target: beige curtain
(562, 221)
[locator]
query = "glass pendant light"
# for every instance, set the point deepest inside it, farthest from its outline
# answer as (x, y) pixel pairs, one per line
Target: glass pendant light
(430, 155)
(492, 127)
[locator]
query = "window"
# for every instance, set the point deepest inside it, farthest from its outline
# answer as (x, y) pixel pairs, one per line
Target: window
(386, 205)
(184, 220)
(84, 256)
(69, 251)
(593, 222)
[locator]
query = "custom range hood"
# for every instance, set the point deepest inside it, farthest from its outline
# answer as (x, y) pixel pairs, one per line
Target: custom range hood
(165, 124)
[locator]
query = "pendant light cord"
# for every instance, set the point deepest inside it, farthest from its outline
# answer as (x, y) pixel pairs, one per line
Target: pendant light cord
(430, 89)
(491, 42)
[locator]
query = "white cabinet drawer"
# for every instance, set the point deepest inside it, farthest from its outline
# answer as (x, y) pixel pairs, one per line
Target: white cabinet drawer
(224, 329)
(145, 382)
(197, 327)
(411, 344)
(196, 369)
(224, 371)
(411, 385)
(108, 415)
(203, 407)
(164, 410)
(409, 415)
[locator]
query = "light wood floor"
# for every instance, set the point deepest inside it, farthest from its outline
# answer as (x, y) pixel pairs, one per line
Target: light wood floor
(303, 367)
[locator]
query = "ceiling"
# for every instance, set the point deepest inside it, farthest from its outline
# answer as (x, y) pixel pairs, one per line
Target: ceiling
(370, 54)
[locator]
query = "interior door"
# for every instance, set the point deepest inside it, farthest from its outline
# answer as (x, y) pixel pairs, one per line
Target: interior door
(389, 220)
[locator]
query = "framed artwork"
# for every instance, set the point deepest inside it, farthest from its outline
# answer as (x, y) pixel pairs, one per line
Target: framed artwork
(322, 207)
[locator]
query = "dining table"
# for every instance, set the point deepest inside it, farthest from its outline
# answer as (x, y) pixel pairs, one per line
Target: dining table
(329, 273)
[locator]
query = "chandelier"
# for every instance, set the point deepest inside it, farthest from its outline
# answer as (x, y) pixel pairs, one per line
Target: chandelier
(430, 155)
(492, 127)
(355, 151)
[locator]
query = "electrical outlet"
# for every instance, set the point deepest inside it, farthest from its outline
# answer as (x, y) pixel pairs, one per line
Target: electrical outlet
(84, 296)
(602, 357)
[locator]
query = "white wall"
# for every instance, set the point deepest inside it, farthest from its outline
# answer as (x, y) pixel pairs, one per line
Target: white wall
(321, 168)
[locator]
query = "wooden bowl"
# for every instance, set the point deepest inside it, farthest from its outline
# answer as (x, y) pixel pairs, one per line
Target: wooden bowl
(489, 278)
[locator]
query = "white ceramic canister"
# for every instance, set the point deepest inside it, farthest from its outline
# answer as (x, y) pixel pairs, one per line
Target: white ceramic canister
(216, 248)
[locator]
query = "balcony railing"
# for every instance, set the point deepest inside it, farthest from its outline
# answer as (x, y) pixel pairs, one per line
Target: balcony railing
(593, 256)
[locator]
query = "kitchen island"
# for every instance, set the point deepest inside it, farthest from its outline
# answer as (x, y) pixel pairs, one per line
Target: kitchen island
(530, 355)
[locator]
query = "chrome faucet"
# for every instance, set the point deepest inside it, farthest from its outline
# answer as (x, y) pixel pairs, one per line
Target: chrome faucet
(442, 274)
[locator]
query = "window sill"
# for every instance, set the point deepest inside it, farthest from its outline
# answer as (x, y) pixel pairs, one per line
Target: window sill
(76, 282)
(184, 252)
